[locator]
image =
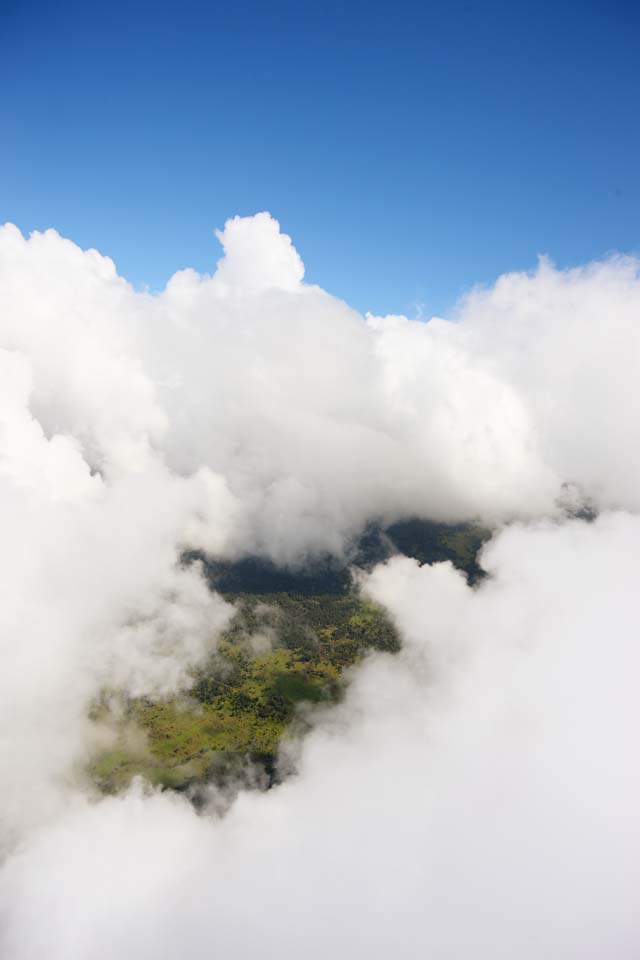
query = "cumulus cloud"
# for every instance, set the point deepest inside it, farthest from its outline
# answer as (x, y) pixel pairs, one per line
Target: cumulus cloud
(54, 467)
(319, 419)
(94, 596)
(474, 795)
(257, 257)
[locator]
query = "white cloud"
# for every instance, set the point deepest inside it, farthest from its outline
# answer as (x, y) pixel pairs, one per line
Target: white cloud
(316, 418)
(475, 795)
(257, 257)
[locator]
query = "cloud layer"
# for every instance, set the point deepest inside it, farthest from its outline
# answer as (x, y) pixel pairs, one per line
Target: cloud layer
(315, 418)
(475, 795)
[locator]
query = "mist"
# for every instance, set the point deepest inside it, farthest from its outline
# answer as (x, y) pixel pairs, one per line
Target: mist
(475, 794)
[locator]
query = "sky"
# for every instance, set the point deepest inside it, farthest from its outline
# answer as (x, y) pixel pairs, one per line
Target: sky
(412, 150)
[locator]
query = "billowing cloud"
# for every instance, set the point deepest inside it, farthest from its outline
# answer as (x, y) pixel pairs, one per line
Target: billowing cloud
(316, 418)
(257, 257)
(474, 795)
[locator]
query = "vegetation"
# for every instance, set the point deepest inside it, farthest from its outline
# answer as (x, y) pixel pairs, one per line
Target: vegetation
(281, 651)
(435, 542)
(287, 647)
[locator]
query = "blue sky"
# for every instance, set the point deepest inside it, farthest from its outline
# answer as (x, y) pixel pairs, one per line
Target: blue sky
(410, 149)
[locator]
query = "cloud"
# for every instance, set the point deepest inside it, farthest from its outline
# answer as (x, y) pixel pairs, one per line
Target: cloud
(569, 343)
(298, 401)
(55, 466)
(475, 794)
(318, 419)
(257, 257)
